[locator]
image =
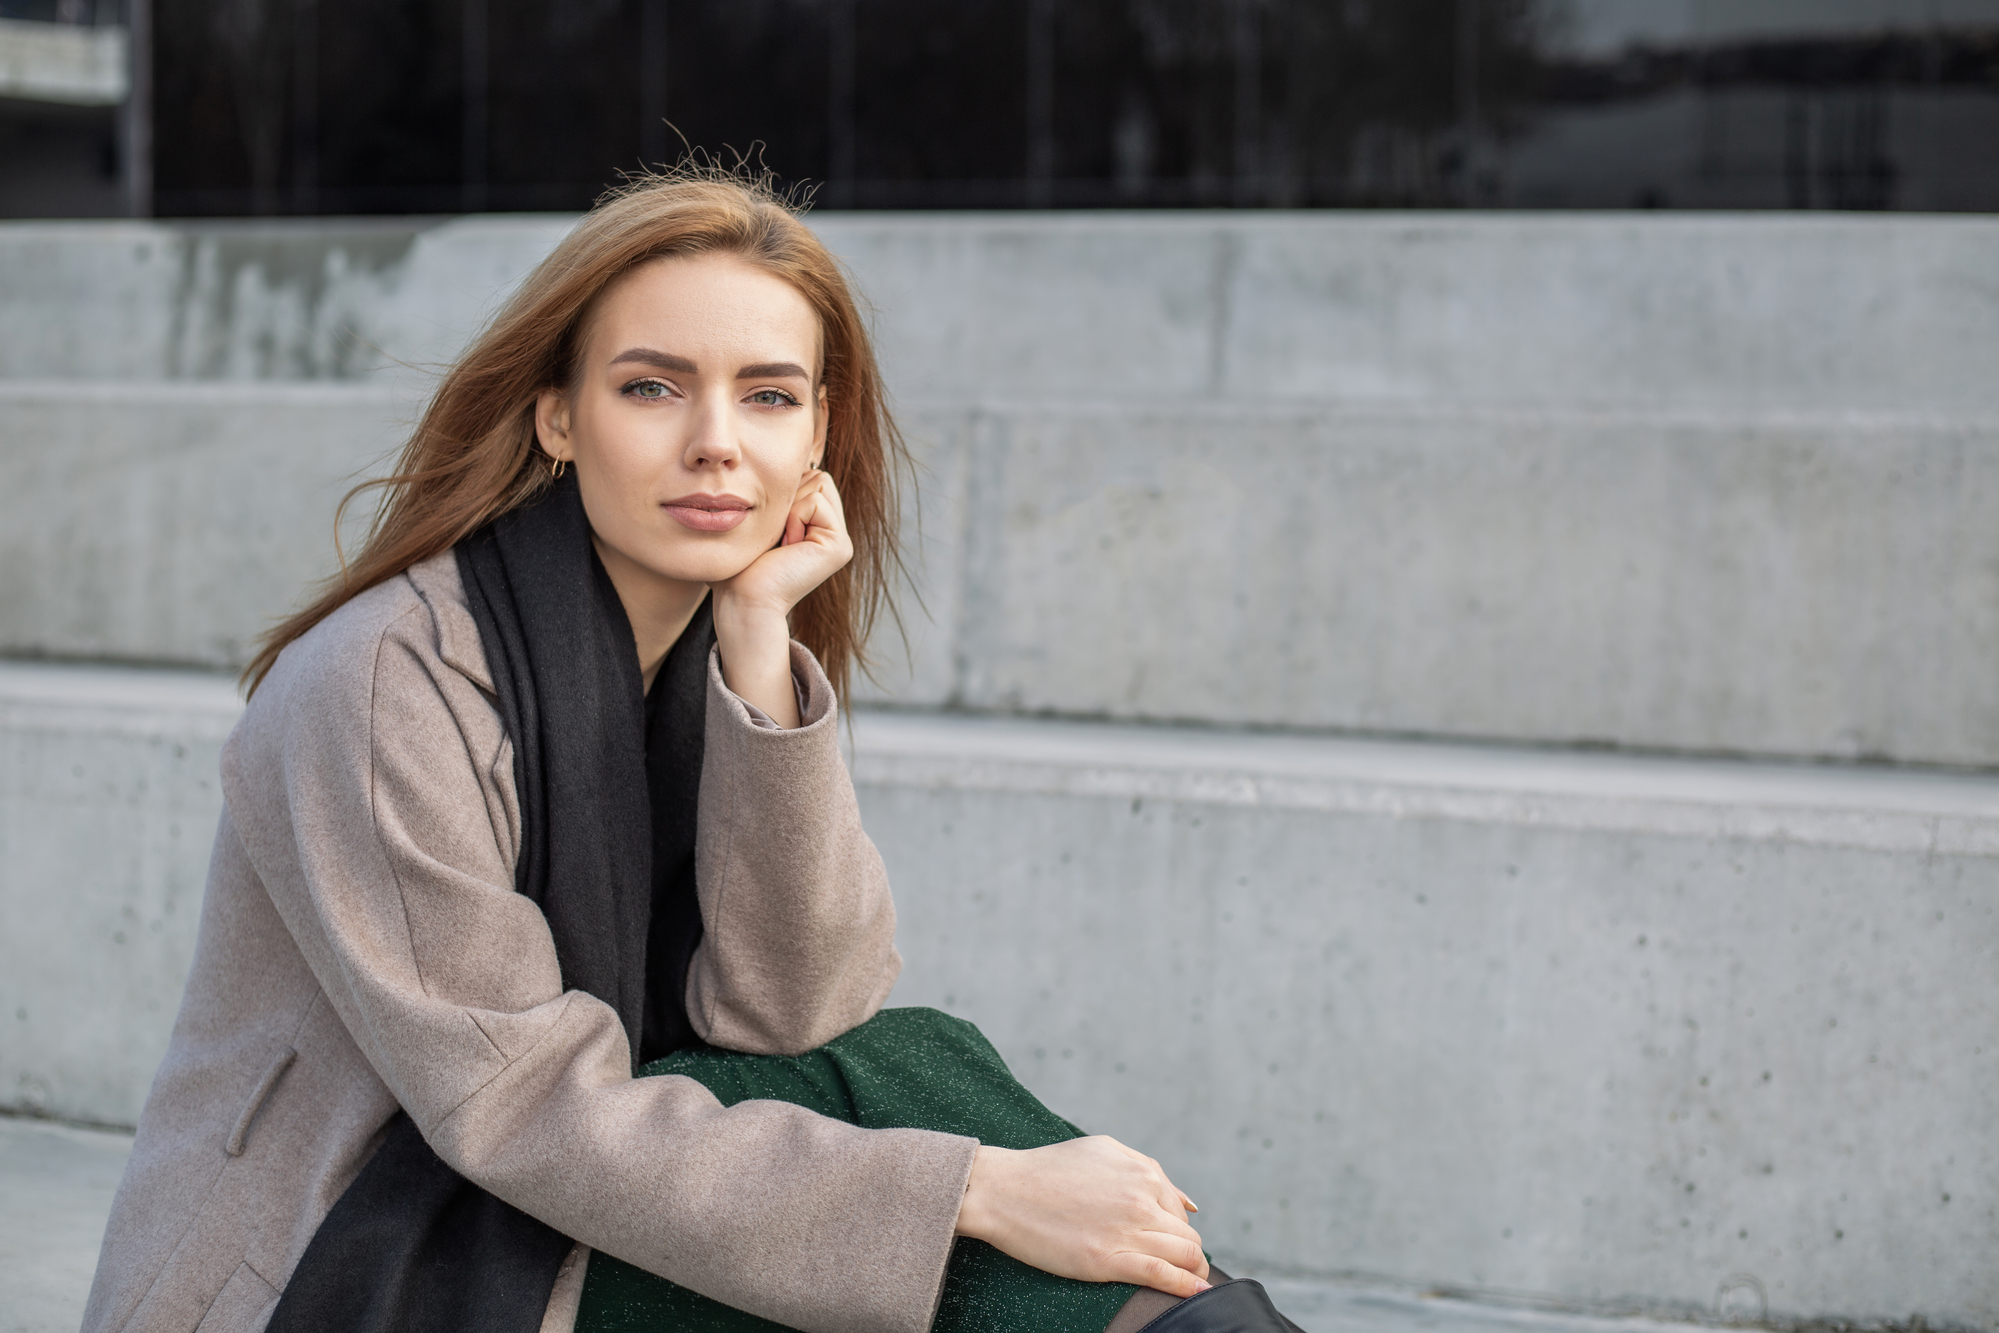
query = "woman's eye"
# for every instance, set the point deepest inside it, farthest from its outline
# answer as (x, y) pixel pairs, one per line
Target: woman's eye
(647, 389)
(773, 398)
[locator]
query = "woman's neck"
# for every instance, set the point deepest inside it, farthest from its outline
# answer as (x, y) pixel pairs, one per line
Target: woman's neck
(658, 608)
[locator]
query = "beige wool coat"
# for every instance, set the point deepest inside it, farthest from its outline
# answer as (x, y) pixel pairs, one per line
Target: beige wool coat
(362, 948)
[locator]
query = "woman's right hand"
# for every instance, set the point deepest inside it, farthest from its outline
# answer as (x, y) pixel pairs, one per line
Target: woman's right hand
(1090, 1209)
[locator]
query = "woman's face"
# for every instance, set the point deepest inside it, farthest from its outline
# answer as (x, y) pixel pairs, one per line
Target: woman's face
(695, 416)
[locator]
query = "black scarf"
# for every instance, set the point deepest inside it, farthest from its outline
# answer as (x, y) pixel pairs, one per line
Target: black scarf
(608, 778)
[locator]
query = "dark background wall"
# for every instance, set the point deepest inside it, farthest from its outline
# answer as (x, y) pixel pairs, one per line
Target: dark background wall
(425, 106)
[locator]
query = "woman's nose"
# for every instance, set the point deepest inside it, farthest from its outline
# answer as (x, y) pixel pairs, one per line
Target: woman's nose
(712, 442)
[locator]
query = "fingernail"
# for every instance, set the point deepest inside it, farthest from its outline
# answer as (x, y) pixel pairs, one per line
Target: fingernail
(1200, 1286)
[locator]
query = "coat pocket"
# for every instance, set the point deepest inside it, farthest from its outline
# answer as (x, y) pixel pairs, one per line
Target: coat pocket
(241, 1304)
(239, 1137)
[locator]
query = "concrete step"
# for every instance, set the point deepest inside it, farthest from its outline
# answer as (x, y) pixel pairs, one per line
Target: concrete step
(1619, 1032)
(176, 523)
(1707, 312)
(1790, 585)
(58, 1182)
(1786, 585)
(1616, 1029)
(109, 797)
(1699, 483)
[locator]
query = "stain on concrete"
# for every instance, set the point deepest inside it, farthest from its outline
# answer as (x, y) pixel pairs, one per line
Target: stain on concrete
(267, 304)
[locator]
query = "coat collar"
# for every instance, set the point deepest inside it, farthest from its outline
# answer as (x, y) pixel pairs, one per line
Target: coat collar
(437, 581)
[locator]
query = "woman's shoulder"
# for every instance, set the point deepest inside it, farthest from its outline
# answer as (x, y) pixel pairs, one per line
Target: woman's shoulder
(418, 617)
(390, 682)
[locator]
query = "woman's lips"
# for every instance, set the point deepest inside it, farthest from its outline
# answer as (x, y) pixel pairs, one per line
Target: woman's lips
(709, 513)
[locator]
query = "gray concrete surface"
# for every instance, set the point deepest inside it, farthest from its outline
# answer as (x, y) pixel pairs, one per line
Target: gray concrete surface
(176, 523)
(56, 1183)
(341, 300)
(1789, 584)
(109, 797)
(1689, 311)
(1617, 1031)
(1797, 584)
(1716, 484)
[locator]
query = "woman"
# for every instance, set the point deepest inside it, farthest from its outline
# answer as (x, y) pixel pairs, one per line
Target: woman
(541, 960)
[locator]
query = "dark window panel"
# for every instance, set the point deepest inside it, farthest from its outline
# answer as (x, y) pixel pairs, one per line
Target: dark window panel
(390, 89)
(377, 106)
(751, 78)
(564, 85)
(58, 161)
(940, 100)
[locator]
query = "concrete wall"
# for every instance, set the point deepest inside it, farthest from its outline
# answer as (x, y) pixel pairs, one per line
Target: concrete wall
(1474, 1016)
(109, 796)
(172, 522)
(1812, 584)
(1616, 1030)
(1704, 483)
(1687, 311)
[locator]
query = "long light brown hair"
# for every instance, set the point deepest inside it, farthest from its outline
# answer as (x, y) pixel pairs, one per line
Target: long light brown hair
(474, 456)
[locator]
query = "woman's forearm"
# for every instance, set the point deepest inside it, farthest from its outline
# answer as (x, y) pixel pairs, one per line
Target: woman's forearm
(754, 643)
(799, 941)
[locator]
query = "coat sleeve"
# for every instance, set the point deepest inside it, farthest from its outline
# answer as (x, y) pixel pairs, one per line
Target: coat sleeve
(354, 782)
(798, 940)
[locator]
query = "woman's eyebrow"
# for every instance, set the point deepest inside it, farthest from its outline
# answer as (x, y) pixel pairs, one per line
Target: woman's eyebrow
(646, 356)
(773, 370)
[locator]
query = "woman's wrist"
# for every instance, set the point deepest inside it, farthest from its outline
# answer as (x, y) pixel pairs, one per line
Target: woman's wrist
(755, 646)
(975, 1212)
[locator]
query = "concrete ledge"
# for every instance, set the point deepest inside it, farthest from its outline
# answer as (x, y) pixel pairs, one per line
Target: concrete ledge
(1862, 809)
(58, 1182)
(1704, 311)
(1706, 483)
(1776, 584)
(1751, 583)
(1615, 1031)
(176, 523)
(221, 300)
(109, 797)
(1716, 311)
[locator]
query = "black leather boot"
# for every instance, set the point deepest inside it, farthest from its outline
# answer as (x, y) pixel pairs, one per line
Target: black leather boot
(1239, 1306)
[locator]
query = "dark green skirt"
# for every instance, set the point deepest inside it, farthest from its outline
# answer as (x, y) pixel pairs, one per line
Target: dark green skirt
(902, 1069)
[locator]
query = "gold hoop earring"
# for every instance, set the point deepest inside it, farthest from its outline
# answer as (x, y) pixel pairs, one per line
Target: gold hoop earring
(555, 468)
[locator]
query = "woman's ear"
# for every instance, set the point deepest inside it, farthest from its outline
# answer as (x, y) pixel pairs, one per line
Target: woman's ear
(551, 423)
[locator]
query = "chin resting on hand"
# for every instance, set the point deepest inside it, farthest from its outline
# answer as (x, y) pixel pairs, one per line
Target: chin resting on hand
(750, 609)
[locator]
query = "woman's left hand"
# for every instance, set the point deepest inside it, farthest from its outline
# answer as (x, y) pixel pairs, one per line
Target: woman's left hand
(813, 548)
(751, 628)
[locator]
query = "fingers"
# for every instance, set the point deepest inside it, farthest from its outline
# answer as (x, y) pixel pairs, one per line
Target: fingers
(803, 517)
(1150, 1271)
(816, 505)
(1182, 1249)
(822, 484)
(1168, 1263)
